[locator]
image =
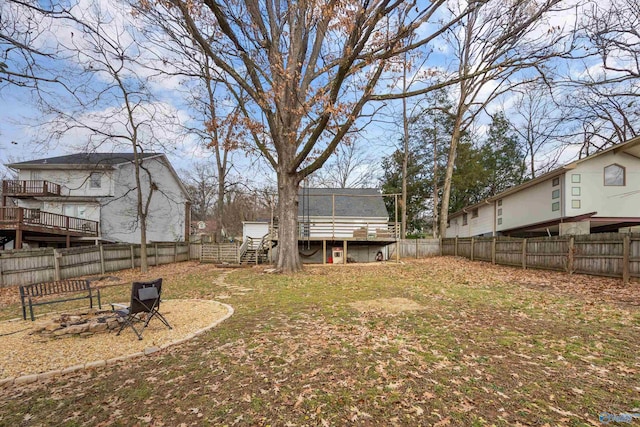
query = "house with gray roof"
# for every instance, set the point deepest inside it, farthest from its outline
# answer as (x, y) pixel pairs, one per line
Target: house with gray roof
(339, 224)
(87, 198)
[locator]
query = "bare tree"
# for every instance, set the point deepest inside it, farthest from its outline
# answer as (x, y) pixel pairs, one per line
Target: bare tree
(201, 181)
(493, 46)
(113, 106)
(351, 167)
(602, 101)
(540, 125)
(613, 28)
(24, 44)
(309, 69)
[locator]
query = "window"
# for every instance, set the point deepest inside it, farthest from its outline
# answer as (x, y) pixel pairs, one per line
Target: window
(464, 219)
(35, 175)
(555, 206)
(614, 175)
(555, 194)
(556, 181)
(575, 204)
(76, 211)
(474, 213)
(499, 211)
(499, 221)
(95, 180)
(575, 191)
(575, 178)
(500, 202)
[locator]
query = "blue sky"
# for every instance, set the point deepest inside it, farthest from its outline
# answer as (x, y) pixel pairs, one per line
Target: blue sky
(20, 140)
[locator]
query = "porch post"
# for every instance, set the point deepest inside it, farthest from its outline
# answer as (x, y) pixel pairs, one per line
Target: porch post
(345, 250)
(324, 251)
(19, 228)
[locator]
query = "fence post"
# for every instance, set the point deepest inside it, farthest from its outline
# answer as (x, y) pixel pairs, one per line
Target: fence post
(473, 242)
(156, 254)
(455, 247)
(416, 248)
(102, 270)
(493, 251)
(1, 275)
(56, 264)
(626, 252)
(133, 257)
(524, 254)
(570, 257)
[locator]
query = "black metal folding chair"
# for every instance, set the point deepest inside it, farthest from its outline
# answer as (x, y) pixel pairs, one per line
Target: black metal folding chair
(145, 298)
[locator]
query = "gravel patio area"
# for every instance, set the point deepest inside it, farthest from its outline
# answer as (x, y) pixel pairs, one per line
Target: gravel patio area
(23, 352)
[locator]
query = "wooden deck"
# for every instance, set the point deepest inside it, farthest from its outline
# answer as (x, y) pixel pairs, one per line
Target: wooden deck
(23, 220)
(29, 188)
(37, 220)
(345, 231)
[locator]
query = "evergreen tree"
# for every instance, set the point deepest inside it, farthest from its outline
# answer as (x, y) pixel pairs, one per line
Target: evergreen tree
(502, 157)
(469, 176)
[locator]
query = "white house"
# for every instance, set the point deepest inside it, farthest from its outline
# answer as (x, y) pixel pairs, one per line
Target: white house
(256, 231)
(349, 223)
(342, 213)
(599, 193)
(90, 197)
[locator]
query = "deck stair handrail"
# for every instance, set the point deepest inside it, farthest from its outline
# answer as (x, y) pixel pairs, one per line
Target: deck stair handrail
(36, 187)
(36, 217)
(264, 242)
(243, 248)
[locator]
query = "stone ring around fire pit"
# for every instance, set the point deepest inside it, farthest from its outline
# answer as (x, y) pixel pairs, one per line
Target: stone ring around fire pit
(83, 324)
(63, 343)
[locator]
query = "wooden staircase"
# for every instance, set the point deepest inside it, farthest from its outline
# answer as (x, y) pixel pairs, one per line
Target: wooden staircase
(254, 256)
(255, 252)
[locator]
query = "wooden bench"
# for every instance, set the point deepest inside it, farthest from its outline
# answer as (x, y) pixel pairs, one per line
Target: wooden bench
(44, 293)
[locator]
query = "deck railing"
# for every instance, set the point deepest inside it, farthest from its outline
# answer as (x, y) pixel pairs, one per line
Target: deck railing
(342, 229)
(47, 220)
(14, 187)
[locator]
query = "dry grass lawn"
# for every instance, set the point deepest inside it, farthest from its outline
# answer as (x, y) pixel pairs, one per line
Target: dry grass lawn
(438, 342)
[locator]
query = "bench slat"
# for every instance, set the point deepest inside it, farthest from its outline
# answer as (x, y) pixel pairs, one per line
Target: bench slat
(41, 290)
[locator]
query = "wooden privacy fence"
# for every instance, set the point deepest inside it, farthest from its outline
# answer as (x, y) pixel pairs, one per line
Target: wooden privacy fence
(416, 248)
(25, 267)
(607, 254)
(220, 252)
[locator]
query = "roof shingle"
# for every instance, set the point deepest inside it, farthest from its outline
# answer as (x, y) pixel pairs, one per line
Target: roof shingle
(349, 202)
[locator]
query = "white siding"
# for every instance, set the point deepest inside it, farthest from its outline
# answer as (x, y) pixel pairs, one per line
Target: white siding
(481, 225)
(75, 182)
(607, 201)
(340, 227)
(255, 230)
(530, 206)
(166, 220)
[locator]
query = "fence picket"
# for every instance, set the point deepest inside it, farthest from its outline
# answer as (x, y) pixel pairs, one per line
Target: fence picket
(30, 266)
(604, 254)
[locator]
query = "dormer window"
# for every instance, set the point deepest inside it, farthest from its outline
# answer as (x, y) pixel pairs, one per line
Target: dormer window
(95, 180)
(614, 175)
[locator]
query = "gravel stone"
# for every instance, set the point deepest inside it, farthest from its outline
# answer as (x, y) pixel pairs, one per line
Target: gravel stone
(23, 354)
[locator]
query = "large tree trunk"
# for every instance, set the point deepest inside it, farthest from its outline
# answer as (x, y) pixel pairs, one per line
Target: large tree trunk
(288, 260)
(220, 226)
(446, 190)
(144, 262)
